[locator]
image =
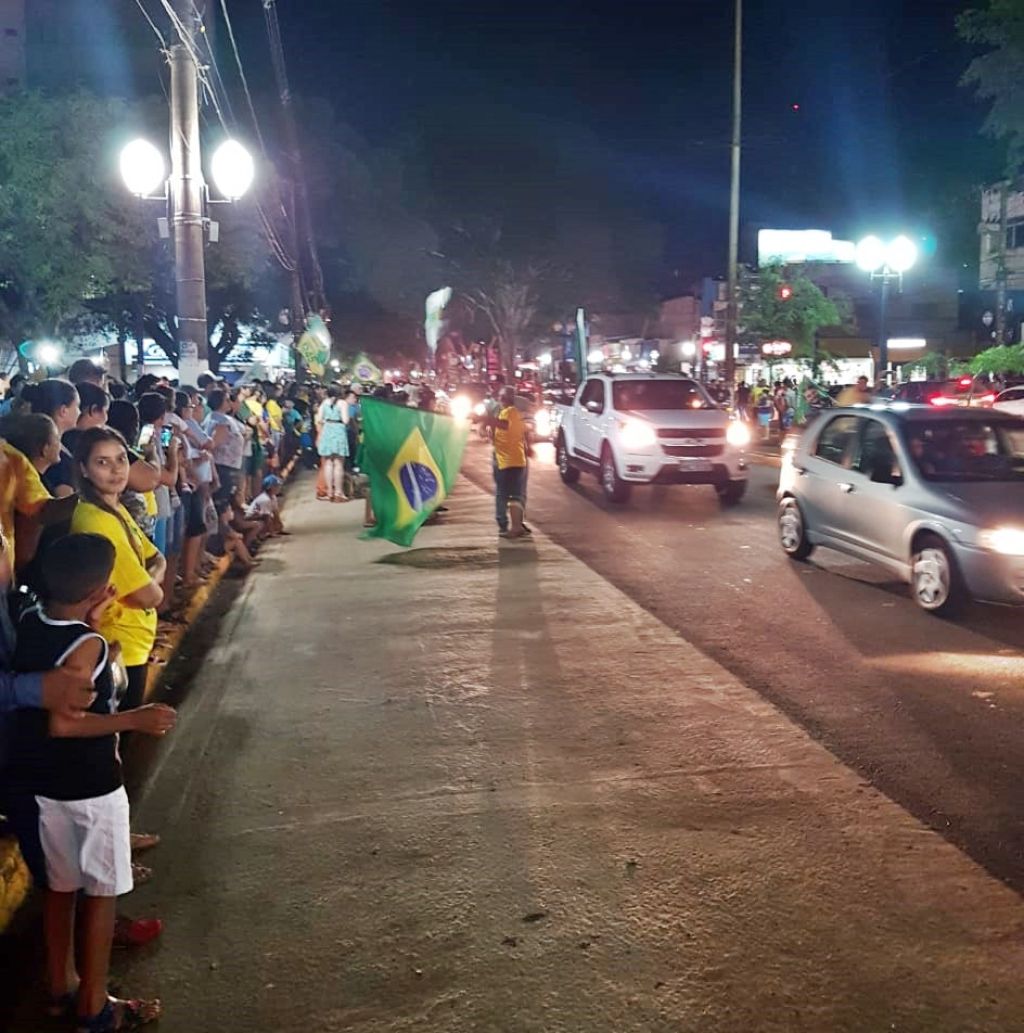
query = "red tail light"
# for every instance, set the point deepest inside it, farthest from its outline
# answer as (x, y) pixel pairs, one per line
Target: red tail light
(941, 400)
(986, 399)
(965, 381)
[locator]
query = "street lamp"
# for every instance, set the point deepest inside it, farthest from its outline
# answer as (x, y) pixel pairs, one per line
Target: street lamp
(187, 198)
(887, 263)
(142, 168)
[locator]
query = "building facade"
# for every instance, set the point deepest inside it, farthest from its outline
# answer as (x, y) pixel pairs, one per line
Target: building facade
(12, 46)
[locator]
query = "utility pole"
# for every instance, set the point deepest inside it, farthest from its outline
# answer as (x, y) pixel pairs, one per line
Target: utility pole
(187, 190)
(1004, 201)
(732, 311)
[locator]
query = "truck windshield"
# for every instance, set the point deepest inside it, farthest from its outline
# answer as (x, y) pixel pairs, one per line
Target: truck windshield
(968, 450)
(649, 395)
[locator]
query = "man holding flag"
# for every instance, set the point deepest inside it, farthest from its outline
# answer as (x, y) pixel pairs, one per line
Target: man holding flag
(412, 458)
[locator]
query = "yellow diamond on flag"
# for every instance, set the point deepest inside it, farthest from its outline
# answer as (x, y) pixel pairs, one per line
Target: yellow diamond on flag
(417, 479)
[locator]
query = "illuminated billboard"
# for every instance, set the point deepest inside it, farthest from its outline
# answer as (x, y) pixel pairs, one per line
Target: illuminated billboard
(791, 247)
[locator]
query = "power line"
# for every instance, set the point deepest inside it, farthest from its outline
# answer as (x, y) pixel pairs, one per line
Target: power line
(152, 25)
(242, 76)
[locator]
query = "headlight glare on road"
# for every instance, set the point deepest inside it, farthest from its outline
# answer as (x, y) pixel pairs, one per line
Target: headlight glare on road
(461, 408)
(1007, 540)
(737, 434)
(637, 435)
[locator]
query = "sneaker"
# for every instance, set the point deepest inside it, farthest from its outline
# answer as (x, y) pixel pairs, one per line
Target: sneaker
(503, 534)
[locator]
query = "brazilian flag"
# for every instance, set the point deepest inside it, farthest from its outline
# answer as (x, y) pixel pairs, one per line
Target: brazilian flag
(412, 458)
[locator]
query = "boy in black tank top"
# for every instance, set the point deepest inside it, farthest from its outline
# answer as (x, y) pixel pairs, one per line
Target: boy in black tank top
(75, 770)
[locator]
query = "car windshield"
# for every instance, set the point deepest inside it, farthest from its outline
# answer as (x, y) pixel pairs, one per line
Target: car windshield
(968, 450)
(649, 395)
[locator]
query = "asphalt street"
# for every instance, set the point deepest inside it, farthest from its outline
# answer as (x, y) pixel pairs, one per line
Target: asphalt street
(930, 711)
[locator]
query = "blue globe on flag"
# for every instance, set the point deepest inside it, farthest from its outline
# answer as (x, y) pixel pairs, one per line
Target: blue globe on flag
(419, 485)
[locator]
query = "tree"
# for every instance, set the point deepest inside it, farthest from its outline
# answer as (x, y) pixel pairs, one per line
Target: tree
(1000, 360)
(78, 255)
(997, 75)
(779, 304)
(937, 366)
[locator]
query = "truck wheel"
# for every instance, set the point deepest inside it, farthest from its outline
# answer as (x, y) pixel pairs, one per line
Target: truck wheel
(935, 578)
(615, 489)
(793, 530)
(730, 494)
(569, 473)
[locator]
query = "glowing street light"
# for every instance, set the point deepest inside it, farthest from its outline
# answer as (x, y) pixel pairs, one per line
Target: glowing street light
(142, 168)
(233, 170)
(886, 262)
(48, 354)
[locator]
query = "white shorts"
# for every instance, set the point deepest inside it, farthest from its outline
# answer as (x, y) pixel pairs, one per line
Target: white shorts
(87, 844)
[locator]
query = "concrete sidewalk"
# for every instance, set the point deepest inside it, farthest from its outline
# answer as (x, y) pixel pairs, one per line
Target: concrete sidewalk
(472, 787)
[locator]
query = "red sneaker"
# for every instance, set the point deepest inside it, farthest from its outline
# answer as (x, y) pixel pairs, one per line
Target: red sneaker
(136, 932)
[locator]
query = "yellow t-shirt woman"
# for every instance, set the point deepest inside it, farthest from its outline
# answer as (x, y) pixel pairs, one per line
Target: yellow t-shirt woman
(135, 629)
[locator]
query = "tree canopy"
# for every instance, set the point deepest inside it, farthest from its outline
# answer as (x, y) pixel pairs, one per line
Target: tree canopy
(997, 75)
(780, 304)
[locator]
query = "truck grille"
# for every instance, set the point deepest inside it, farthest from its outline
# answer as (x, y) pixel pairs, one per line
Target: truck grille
(692, 451)
(704, 432)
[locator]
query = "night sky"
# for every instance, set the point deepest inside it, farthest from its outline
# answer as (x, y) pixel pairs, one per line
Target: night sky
(539, 108)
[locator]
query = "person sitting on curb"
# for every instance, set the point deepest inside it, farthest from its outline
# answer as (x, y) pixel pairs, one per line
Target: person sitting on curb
(266, 507)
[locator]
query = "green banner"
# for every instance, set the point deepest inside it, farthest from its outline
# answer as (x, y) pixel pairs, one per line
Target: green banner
(412, 458)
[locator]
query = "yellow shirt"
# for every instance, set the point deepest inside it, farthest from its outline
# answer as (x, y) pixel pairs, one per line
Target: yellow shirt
(510, 445)
(275, 415)
(135, 629)
(21, 490)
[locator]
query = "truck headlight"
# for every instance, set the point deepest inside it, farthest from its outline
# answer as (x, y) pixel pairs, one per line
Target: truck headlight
(737, 434)
(542, 423)
(637, 435)
(461, 407)
(1007, 540)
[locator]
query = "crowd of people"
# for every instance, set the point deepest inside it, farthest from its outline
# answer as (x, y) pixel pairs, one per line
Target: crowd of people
(115, 504)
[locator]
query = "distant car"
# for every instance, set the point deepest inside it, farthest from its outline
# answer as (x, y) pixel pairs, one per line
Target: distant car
(933, 493)
(1011, 400)
(939, 393)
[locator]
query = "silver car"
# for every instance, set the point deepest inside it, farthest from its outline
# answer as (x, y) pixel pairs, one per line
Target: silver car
(934, 495)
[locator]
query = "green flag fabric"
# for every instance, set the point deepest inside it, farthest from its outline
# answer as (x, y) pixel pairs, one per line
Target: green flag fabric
(412, 458)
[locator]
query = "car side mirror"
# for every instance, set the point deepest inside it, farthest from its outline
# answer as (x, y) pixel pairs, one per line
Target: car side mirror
(593, 406)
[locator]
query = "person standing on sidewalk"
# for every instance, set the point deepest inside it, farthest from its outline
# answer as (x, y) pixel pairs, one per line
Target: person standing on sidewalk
(511, 451)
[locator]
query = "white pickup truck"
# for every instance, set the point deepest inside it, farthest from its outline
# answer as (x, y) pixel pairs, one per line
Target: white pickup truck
(658, 428)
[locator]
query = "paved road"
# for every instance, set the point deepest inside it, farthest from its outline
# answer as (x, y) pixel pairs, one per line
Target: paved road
(931, 712)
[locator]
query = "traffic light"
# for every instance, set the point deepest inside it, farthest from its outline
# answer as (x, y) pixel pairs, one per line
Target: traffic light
(785, 292)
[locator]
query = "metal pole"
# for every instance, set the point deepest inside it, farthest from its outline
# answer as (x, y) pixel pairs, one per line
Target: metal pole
(732, 311)
(883, 336)
(1004, 190)
(187, 192)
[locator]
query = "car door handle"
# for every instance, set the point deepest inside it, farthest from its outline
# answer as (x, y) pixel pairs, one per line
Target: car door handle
(846, 487)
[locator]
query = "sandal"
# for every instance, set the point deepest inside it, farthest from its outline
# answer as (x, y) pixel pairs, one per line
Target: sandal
(121, 1015)
(141, 874)
(144, 841)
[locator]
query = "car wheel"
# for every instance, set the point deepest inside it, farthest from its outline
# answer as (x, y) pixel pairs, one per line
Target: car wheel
(935, 578)
(614, 488)
(731, 494)
(569, 473)
(793, 531)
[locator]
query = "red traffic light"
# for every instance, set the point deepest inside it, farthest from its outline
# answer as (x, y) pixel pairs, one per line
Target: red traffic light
(785, 292)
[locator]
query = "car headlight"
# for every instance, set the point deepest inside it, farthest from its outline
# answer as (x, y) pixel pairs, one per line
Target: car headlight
(542, 423)
(479, 409)
(637, 435)
(1007, 540)
(737, 434)
(461, 407)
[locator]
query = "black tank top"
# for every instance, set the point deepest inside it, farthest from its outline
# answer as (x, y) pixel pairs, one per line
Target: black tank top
(58, 768)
